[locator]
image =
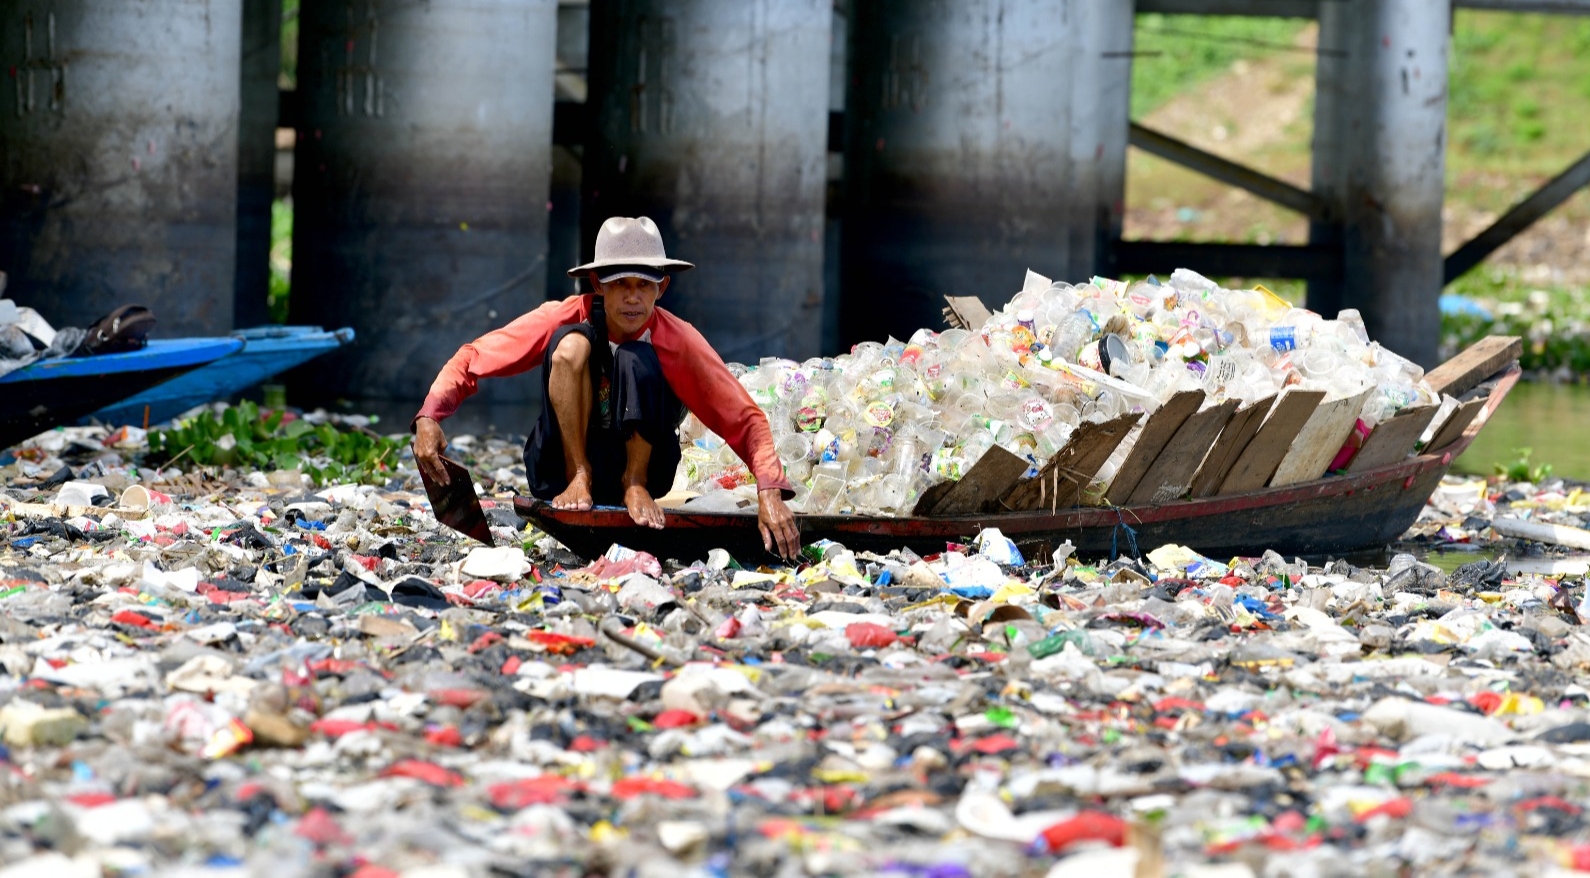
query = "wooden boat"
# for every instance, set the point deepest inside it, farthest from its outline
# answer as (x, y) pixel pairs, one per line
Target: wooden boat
(267, 351)
(49, 393)
(1245, 480)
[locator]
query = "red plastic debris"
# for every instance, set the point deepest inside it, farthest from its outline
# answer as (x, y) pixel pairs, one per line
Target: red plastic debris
(370, 870)
(545, 789)
(321, 828)
(1487, 702)
(728, 630)
(586, 744)
(561, 644)
(445, 736)
(91, 800)
(429, 772)
(128, 617)
(321, 541)
(630, 787)
(484, 641)
(998, 743)
(674, 719)
(869, 635)
(1086, 826)
(461, 698)
(1453, 779)
(512, 665)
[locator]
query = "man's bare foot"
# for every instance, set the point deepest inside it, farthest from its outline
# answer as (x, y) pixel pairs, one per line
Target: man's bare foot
(642, 508)
(577, 496)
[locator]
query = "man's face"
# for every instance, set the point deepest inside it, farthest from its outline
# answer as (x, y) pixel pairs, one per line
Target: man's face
(629, 302)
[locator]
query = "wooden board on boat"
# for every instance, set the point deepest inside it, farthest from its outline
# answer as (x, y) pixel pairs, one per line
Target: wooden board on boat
(1061, 482)
(1455, 425)
(1157, 432)
(1474, 364)
(1258, 461)
(1320, 440)
(980, 489)
(1238, 432)
(1393, 439)
(1172, 474)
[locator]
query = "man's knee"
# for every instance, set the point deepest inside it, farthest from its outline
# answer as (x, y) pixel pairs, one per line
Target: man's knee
(572, 353)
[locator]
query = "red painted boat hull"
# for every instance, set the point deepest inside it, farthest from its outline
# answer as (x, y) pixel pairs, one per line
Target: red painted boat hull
(1329, 515)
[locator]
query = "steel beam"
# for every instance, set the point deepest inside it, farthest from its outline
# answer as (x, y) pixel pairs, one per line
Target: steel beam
(1225, 260)
(1229, 172)
(1559, 7)
(1311, 8)
(1520, 217)
(1262, 8)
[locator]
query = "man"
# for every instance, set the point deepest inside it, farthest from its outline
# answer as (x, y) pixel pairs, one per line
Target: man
(617, 369)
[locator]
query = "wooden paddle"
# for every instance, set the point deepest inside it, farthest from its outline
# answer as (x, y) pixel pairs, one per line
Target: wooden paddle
(455, 503)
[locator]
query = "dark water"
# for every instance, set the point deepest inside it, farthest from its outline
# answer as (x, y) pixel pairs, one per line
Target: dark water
(1553, 420)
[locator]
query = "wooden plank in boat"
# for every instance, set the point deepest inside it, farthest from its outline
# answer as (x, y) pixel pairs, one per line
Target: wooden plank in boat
(982, 486)
(1239, 431)
(1456, 424)
(1157, 432)
(1258, 461)
(966, 312)
(1172, 473)
(1476, 363)
(1061, 482)
(1393, 439)
(1320, 440)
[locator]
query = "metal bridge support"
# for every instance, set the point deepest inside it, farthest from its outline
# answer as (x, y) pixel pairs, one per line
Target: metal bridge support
(711, 117)
(984, 137)
(420, 185)
(118, 159)
(1379, 159)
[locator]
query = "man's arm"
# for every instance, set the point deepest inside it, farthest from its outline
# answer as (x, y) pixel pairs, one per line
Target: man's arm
(705, 385)
(511, 350)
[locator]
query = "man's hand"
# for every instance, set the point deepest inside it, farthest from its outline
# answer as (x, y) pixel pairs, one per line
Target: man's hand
(429, 443)
(777, 523)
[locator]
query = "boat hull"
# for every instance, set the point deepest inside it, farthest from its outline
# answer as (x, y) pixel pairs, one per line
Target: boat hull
(49, 393)
(1335, 514)
(267, 351)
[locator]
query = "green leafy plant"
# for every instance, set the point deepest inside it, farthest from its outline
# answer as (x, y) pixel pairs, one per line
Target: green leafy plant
(1520, 470)
(241, 437)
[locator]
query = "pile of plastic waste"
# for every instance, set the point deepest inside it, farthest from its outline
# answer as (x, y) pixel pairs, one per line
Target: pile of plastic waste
(869, 431)
(224, 672)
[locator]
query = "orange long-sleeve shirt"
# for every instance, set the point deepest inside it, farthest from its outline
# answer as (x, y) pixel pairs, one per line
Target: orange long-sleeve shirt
(692, 368)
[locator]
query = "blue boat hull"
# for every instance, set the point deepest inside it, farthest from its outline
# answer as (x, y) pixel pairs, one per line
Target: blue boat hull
(54, 392)
(267, 351)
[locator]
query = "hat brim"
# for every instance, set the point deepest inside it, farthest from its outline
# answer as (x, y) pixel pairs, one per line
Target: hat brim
(608, 275)
(617, 265)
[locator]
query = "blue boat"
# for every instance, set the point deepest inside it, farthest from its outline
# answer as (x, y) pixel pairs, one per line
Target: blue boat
(267, 351)
(49, 393)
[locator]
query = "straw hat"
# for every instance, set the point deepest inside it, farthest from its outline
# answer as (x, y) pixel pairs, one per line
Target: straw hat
(627, 247)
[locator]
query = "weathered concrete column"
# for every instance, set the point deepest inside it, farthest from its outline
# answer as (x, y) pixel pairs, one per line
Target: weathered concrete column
(256, 157)
(118, 159)
(982, 141)
(420, 184)
(1380, 156)
(711, 117)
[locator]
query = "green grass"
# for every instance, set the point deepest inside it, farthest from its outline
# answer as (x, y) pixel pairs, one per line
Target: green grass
(1177, 52)
(281, 259)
